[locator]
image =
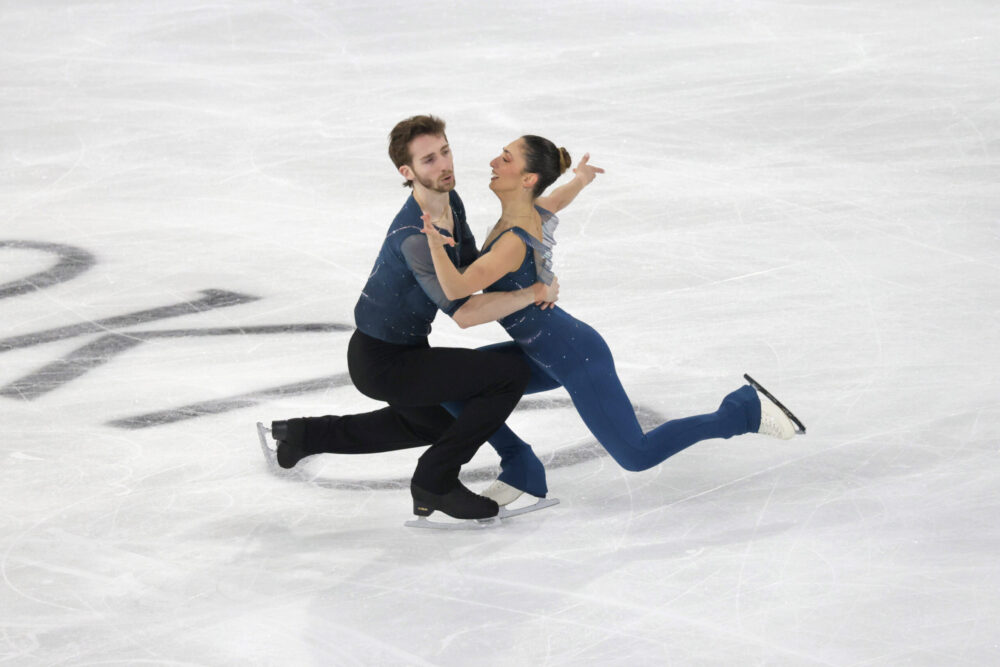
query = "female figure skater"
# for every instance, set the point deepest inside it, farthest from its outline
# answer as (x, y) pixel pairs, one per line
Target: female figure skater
(566, 350)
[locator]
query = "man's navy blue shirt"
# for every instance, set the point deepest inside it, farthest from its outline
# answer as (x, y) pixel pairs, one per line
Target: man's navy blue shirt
(402, 295)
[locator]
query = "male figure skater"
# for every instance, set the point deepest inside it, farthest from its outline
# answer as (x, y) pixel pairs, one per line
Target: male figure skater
(389, 358)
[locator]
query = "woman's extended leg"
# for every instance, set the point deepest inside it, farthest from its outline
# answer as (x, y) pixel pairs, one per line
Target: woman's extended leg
(588, 373)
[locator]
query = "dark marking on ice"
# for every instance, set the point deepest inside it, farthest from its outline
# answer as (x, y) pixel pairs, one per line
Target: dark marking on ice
(103, 350)
(220, 405)
(71, 262)
(212, 299)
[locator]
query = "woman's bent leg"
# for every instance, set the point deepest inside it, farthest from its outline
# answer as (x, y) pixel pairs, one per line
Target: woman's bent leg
(519, 466)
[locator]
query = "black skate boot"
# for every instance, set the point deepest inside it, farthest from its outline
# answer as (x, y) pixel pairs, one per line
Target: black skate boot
(287, 454)
(459, 503)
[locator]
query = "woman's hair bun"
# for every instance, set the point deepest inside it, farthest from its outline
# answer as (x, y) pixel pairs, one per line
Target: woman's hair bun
(564, 160)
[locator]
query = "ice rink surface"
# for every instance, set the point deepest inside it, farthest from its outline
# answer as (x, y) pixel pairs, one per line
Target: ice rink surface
(192, 195)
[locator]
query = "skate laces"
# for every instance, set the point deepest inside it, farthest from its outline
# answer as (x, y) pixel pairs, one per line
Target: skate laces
(773, 421)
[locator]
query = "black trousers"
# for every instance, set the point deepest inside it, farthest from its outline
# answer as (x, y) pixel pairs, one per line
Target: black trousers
(415, 380)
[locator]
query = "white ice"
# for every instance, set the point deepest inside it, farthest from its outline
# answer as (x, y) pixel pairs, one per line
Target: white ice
(808, 191)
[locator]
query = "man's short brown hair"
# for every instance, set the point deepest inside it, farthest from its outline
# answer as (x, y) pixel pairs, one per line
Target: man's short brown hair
(405, 132)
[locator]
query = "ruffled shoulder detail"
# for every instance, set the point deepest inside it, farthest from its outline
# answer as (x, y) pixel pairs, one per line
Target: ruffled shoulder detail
(543, 248)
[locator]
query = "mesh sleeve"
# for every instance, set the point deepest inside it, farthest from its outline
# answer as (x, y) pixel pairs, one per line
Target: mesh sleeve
(418, 257)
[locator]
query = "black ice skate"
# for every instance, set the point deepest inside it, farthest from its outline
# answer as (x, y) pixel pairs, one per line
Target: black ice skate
(281, 457)
(461, 503)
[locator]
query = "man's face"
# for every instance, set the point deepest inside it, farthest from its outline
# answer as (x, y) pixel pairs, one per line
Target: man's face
(432, 165)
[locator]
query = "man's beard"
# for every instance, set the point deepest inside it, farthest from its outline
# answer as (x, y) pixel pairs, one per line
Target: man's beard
(434, 187)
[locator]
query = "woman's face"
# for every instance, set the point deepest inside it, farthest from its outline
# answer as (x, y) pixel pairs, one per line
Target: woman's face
(508, 168)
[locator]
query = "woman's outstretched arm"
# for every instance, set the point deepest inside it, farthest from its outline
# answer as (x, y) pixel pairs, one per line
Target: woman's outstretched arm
(561, 197)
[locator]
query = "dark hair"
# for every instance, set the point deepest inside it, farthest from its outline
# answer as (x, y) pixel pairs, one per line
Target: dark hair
(543, 158)
(405, 132)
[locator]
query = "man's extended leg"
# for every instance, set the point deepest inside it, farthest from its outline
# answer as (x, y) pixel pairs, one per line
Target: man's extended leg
(384, 430)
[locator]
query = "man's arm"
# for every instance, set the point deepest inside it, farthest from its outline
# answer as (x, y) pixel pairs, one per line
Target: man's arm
(482, 308)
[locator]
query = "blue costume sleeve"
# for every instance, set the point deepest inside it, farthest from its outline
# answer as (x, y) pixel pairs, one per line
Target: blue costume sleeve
(418, 257)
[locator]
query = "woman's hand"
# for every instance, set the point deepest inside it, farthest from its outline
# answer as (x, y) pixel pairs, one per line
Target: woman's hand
(546, 295)
(585, 172)
(583, 175)
(434, 237)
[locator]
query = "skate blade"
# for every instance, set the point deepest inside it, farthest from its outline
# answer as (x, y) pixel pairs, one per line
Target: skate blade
(464, 524)
(540, 504)
(480, 524)
(799, 426)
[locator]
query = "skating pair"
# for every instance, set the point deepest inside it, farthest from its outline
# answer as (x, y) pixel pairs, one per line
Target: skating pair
(488, 509)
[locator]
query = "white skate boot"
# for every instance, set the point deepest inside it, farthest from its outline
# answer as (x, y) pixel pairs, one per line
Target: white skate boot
(502, 493)
(776, 420)
(773, 421)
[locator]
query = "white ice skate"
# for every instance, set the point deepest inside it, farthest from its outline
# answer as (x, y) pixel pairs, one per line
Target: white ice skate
(776, 420)
(502, 493)
(773, 421)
